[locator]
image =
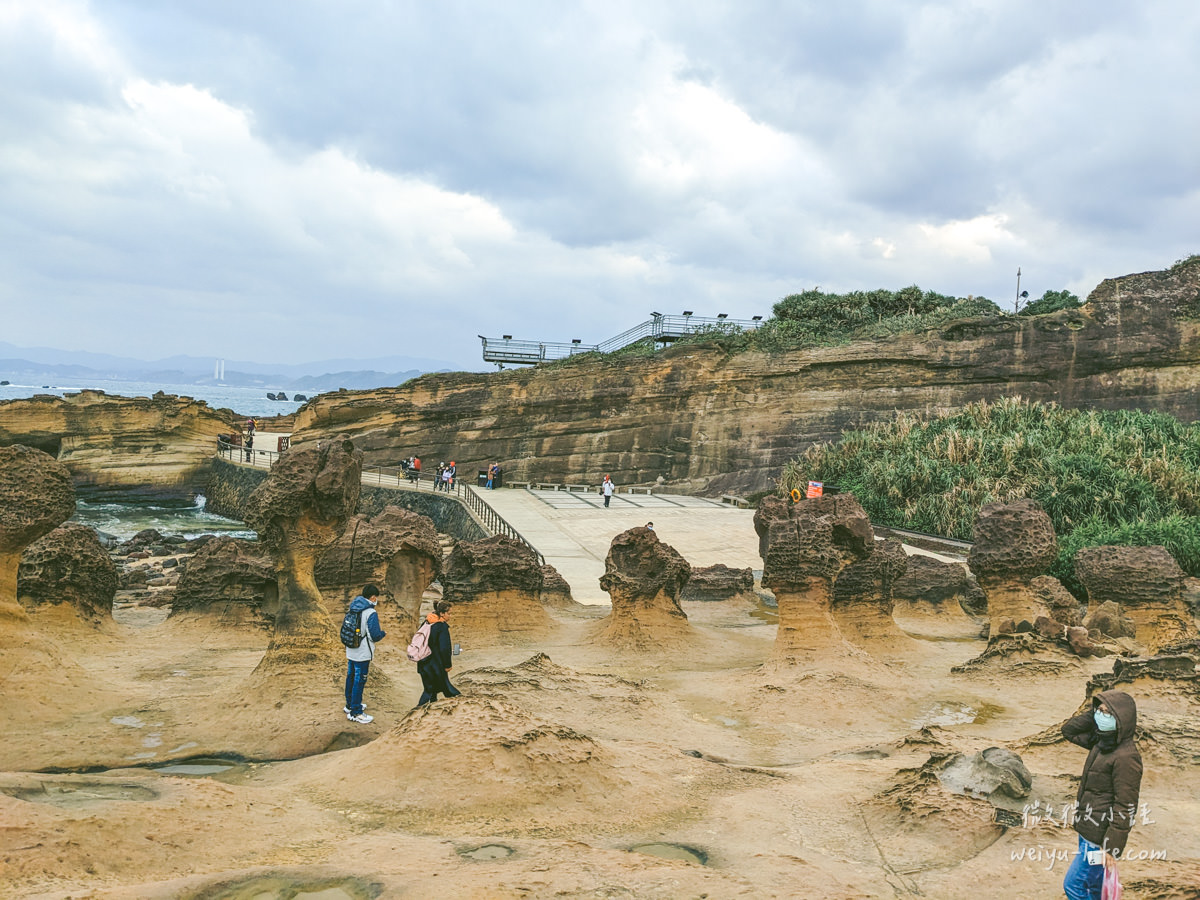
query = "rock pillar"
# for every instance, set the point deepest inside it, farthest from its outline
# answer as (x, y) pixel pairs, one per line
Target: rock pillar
(1014, 544)
(862, 599)
(643, 577)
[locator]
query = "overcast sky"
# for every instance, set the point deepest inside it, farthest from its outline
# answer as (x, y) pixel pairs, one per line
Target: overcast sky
(285, 181)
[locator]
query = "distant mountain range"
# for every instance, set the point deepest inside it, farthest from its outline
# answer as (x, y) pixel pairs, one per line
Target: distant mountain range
(44, 363)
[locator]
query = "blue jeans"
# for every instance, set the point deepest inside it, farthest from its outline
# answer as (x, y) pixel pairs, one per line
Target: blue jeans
(1083, 881)
(356, 680)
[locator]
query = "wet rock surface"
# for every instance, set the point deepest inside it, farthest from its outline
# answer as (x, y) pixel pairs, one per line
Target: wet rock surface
(69, 565)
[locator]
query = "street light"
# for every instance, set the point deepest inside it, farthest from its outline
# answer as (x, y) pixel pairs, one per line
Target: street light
(508, 337)
(687, 312)
(655, 315)
(722, 315)
(756, 318)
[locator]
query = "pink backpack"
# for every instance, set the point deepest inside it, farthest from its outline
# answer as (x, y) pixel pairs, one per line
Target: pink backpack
(418, 647)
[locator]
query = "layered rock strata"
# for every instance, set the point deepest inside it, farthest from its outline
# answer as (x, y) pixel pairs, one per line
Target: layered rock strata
(1148, 586)
(495, 586)
(398, 550)
(68, 566)
(643, 578)
(160, 446)
(1014, 544)
(299, 512)
(726, 422)
(805, 546)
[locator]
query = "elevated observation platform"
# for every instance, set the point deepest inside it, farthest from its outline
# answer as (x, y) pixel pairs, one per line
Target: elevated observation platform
(661, 328)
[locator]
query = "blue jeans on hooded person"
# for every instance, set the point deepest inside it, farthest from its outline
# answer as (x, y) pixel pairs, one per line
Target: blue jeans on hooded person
(356, 680)
(1083, 880)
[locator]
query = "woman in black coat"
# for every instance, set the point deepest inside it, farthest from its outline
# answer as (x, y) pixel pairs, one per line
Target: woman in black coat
(435, 668)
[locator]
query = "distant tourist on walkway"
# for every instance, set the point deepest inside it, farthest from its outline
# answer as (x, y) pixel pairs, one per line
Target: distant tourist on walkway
(491, 475)
(251, 425)
(607, 490)
(414, 470)
(1107, 799)
(248, 443)
(453, 472)
(435, 668)
(358, 659)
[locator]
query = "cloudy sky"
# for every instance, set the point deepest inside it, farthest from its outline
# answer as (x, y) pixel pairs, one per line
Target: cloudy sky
(285, 180)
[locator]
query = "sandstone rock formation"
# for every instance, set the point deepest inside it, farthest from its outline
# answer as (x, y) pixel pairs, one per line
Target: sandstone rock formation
(723, 422)
(933, 597)
(398, 550)
(805, 546)
(1146, 583)
(69, 566)
(160, 446)
(1108, 619)
(1014, 544)
(862, 600)
(495, 586)
(299, 512)
(643, 578)
(1058, 601)
(232, 579)
(556, 593)
(717, 583)
(36, 496)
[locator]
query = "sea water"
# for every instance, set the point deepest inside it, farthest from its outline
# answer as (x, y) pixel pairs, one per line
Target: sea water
(124, 520)
(245, 401)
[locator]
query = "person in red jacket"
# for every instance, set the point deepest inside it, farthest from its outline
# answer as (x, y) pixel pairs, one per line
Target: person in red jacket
(1107, 799)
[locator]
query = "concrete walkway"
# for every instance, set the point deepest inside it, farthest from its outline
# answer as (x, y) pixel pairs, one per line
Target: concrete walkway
(573, 531)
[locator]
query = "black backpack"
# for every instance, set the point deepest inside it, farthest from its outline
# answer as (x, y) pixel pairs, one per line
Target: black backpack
(351, 632)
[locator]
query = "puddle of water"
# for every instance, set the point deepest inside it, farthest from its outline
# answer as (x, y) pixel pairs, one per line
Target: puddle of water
(945, 714)
(129, 721)
(196, 767)
(726, 721)
(487, 852)
(680, 852)
(278, 887)
(77, 794)
(766, 614)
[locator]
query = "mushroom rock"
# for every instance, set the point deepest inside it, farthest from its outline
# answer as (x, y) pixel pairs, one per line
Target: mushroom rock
(398, 550)
(717, 583)
(36, 496)
(231, 578)
(1146, 583)
(1061, 603)
(495, 585)
(299, 512)
(556, 593)
(643, 578)
(69, 565)
(933, 597)
(862, 599)
(1014, 544)
(805, 546)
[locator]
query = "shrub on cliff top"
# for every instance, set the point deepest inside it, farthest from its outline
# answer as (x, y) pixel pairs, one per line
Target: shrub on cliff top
(1124, 477)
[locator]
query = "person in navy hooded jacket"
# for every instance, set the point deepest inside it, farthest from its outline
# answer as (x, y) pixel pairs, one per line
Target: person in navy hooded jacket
(358, 659)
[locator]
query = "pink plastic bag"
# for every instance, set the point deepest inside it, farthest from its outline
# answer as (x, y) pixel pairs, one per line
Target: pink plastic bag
(1110, 888)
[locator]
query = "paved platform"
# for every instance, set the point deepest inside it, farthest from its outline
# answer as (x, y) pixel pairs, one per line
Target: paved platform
(574, 530)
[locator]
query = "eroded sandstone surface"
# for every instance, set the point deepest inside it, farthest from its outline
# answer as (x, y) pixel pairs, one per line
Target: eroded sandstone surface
(495, 586)
(1146, 584)
(1014, 545)
(68, 566)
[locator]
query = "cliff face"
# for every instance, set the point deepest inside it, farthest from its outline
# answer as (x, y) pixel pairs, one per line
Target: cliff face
(159, 447)
(726, 422)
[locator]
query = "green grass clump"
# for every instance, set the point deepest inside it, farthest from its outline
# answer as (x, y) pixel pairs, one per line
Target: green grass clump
(1122, 477)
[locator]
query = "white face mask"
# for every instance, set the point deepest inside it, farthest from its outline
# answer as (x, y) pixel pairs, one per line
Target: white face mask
(1105, 721)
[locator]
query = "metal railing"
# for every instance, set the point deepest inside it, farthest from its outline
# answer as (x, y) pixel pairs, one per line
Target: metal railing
(395, 477)
(662, 328)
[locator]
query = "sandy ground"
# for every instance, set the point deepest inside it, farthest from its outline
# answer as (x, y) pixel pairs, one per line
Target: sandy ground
(561, 771)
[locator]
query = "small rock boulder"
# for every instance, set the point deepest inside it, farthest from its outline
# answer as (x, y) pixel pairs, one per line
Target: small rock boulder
(717, 583)
(36, 496)
(991, 774)
(1059, 602)
(69, 565)
(232, 578)
(1109, 620)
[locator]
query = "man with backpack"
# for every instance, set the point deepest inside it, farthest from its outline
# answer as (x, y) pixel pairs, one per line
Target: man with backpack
(360, 632)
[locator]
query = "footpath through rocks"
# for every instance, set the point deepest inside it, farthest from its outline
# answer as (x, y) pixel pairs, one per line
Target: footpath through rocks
(860, 737)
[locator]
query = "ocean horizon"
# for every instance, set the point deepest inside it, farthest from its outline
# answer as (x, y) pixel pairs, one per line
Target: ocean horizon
(246, 401)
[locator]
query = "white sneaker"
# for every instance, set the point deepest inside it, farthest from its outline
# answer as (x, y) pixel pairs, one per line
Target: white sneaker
(362, 719)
